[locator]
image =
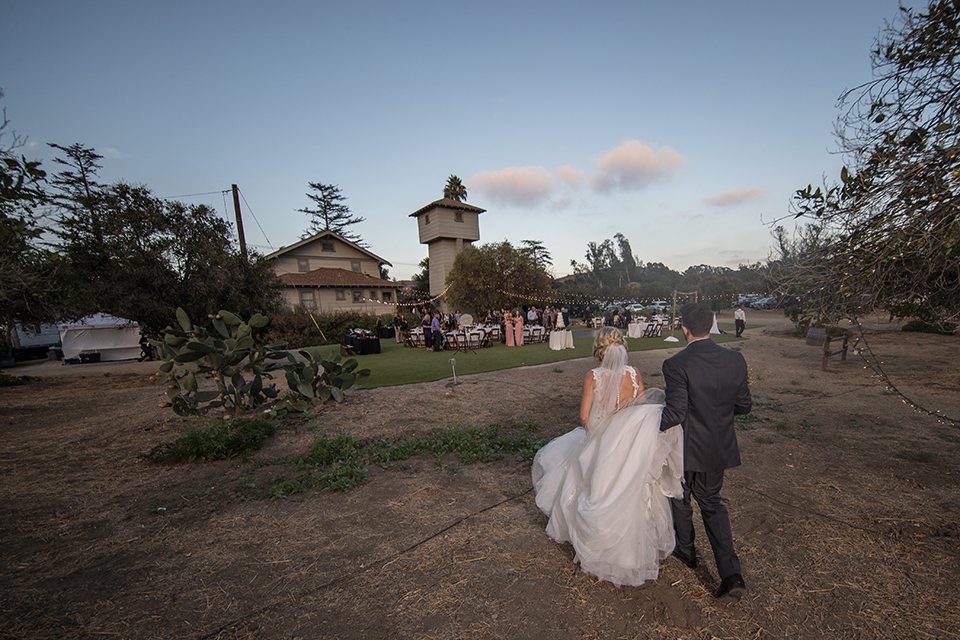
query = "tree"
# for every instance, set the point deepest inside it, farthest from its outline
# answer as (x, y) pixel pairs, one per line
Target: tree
(330, 214)
(609, 265)
(538, 253)
(30, 282)
(133, 255)
(77, 184)
(628, 261)
(891, 224)
(495, 276)
(421, 280)
(454, 189)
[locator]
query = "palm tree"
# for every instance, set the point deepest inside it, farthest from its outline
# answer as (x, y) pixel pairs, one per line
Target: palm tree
(455, 189)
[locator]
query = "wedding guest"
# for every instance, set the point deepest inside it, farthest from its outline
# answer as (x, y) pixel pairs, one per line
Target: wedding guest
(397, 323)
(740, 320)
(437, 332)
(518, 328)
(427, 324)
(507, 330)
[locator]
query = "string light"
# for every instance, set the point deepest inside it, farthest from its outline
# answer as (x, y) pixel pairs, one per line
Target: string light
(874, 362)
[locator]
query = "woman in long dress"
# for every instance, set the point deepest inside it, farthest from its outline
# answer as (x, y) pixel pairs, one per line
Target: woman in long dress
(518, 328)
(605, 486)
(508, 328)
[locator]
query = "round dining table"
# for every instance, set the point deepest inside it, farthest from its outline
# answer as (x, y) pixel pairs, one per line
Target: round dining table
(561, 340)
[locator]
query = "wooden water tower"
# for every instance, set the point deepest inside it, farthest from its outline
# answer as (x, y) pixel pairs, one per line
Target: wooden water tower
(445, 226)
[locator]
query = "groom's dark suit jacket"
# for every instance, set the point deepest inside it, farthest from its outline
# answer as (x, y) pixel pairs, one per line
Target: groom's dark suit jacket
(706, 387)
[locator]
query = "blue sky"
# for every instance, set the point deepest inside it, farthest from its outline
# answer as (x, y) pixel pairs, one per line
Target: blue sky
(685, 126)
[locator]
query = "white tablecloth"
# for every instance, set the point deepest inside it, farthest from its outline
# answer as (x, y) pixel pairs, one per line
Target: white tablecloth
(561, 340)
(636, 329)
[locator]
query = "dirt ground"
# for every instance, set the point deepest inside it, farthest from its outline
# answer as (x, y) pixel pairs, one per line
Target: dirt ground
(844, 513)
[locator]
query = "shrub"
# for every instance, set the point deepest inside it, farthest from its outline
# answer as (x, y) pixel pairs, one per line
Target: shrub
(942, 328)
(296, 328)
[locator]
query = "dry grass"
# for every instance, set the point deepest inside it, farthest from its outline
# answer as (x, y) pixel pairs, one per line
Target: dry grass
(838, 536)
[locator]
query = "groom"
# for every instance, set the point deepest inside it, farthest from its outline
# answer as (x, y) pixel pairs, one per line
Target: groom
(706, 388)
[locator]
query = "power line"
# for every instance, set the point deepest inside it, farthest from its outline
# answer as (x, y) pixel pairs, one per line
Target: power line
(192, 195)
(252, 215)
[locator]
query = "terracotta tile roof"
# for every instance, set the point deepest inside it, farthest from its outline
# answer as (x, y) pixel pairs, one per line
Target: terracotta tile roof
(327, 277)
(449, 203)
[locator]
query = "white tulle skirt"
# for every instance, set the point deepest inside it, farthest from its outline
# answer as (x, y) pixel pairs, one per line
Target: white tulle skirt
(607, 493)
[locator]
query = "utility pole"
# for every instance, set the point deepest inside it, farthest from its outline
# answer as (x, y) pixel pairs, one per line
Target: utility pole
(236, 208)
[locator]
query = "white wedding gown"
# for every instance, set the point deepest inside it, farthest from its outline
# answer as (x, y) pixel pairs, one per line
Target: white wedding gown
(605, 489)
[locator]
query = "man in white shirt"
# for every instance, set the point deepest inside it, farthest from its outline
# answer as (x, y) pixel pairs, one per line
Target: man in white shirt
(740, 320)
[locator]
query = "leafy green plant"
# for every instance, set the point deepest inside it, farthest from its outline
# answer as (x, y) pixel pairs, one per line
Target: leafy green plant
(7, 380)
(338, 463)
(916, 456)
(214, 440)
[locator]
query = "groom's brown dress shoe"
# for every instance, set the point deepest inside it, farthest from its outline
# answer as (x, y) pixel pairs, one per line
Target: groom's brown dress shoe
(731, 589)
(689, 560)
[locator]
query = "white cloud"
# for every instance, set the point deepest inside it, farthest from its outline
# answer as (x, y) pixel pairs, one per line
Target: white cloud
(736, 196)
(521, 186)
(110, 152)
(634, 165)
(571, 175)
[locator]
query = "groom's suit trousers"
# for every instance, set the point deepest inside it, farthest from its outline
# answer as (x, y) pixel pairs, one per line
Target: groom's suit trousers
(705, 487)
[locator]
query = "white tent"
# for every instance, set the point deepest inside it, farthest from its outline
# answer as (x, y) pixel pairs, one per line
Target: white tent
(112, 338)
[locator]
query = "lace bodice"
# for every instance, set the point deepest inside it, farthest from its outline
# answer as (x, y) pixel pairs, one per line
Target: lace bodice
(606, 392)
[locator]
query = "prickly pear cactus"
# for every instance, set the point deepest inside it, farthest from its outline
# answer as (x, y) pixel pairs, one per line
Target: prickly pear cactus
(224, 351)
(318, 379)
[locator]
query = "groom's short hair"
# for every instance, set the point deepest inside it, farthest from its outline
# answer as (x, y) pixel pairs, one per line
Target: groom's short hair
(697, 318)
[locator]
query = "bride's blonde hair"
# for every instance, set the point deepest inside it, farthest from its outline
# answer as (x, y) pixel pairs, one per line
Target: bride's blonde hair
(607, 337)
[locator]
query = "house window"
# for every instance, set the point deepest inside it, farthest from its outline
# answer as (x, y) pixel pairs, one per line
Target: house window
(327, 245)
(357, 296)
(341, 294)
(373, 294)
(387, 297)
(308, 300)
(355, 265)
(458, 216)
(426, 219)
(303, 265)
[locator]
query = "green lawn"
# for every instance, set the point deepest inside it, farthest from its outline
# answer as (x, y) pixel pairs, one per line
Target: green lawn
(397, 365)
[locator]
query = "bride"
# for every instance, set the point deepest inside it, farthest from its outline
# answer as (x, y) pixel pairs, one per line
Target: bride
(605, 487)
